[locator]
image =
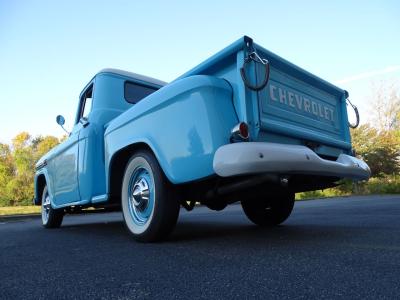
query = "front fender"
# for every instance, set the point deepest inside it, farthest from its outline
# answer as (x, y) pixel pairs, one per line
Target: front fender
(41, 179)
(183, 123)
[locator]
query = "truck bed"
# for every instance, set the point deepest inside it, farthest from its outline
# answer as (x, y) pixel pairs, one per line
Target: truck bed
(295, 107)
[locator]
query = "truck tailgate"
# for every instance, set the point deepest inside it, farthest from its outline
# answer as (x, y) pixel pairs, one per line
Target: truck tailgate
(297, 104)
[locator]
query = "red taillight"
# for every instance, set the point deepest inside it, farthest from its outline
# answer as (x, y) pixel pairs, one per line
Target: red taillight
(244, 130)
(240, 132)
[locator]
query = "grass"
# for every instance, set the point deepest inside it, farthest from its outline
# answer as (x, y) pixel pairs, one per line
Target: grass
(19, 210)
(384, 184)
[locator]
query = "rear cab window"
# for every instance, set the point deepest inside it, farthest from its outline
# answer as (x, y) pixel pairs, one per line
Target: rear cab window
(134, 92)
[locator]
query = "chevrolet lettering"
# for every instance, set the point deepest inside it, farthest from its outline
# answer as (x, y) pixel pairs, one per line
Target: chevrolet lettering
(300, 103)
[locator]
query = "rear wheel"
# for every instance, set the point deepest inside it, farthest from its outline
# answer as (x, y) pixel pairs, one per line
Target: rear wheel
(51, 218)
(149, 206)
(272, 210)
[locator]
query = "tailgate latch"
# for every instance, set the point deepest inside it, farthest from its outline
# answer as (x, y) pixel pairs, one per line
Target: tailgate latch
(253, 56)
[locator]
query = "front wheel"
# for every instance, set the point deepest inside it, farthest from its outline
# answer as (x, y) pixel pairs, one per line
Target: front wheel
(51, 218)
(149, 206)
(272, 210)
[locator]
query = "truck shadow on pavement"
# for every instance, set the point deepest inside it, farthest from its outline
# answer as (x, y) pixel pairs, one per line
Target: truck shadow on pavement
(224, 231)
(252, 234)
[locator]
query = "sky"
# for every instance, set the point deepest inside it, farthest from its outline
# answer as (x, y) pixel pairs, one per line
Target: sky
(49, 50)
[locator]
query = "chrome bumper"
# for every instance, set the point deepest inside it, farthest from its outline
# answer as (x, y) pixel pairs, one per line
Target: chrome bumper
(253, 157)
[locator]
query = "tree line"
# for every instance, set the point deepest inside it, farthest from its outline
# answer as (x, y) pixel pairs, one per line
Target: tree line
(378, 142)
(17, 167)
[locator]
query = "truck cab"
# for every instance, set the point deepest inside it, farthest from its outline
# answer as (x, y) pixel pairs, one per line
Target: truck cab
(74, 171)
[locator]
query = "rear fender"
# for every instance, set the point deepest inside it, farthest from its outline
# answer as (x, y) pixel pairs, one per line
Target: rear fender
(183, 124)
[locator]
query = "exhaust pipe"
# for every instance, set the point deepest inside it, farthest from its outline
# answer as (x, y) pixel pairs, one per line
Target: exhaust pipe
(246, 183)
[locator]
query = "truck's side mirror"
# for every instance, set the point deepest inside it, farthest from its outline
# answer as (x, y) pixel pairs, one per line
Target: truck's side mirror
(61, 121)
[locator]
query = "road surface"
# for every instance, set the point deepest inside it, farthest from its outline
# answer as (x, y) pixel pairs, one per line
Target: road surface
(336, 248)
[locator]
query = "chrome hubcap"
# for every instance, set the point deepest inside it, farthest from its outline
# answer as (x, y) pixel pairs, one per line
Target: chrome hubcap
(140, 194)
(46, 208)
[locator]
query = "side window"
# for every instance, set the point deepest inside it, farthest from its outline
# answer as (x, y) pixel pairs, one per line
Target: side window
(86, 103)
(134, 92)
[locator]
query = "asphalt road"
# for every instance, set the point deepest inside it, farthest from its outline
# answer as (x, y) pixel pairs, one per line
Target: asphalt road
(336, 248)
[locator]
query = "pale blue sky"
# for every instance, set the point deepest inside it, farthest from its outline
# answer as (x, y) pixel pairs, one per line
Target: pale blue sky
(50, 49)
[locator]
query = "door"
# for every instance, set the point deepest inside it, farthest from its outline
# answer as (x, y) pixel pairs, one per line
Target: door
(66, 163)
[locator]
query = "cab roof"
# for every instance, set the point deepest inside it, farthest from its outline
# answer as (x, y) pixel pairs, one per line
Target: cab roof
(133, 76)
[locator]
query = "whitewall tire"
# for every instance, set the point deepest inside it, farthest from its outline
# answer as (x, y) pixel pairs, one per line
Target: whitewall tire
(51, 218)
(149, 206)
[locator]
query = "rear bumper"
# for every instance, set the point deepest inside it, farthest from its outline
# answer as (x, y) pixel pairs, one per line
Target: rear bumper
(250, 158)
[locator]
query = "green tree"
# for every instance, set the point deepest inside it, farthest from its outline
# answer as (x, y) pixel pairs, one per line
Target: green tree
(23, 153)
(6, 172)
(42, 145)
(20, 187)
(17, 167)
(379, 149)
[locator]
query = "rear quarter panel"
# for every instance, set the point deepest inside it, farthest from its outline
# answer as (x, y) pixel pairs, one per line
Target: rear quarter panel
(183, 123)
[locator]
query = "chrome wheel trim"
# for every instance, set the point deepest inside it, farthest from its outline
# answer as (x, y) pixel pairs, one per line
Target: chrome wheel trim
(46, 206)
(141, 198)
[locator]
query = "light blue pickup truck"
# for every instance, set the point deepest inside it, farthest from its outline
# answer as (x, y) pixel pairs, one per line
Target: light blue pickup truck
(245, 125)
